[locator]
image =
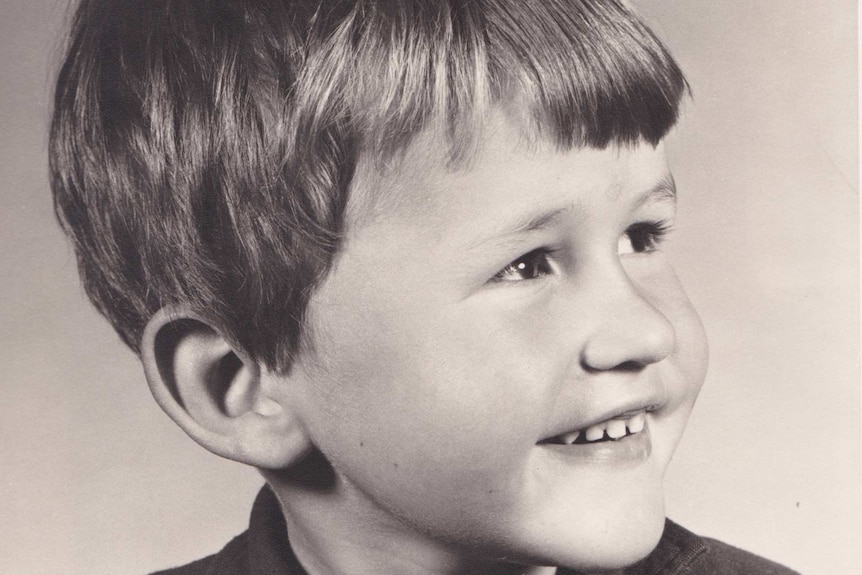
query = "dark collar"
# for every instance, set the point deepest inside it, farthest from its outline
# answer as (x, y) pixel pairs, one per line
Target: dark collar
(262, 550)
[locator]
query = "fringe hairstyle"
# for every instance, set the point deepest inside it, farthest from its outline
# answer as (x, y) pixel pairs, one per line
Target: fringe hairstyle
(202, 150)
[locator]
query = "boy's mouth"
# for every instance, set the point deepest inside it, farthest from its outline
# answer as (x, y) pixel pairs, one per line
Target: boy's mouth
(614, 429)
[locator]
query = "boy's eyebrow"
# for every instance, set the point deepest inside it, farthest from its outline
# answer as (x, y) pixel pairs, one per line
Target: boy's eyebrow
(664, 190)
(523, 225)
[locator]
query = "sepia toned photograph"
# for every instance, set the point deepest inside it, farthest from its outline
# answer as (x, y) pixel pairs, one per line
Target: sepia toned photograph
(415, 287)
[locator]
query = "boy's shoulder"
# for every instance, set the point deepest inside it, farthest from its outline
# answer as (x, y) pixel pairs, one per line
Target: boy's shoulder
(262, 550)
(724, 559)
(232, 559)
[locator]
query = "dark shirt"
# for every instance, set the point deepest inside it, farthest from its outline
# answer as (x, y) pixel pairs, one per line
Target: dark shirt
(262, 550)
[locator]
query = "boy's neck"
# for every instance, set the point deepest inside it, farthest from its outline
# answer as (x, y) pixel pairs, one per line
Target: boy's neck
(331, 534)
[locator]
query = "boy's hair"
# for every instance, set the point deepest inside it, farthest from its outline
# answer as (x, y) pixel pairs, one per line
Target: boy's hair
(202, 150)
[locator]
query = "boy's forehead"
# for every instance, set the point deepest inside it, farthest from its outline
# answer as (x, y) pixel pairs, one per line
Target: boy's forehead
(506, 152)
(379, 181)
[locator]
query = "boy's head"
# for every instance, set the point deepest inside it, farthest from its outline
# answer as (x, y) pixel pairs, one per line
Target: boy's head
(416, 240)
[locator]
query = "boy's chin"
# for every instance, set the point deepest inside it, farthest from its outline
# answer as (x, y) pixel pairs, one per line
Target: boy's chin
(611, 548)
(603, 541)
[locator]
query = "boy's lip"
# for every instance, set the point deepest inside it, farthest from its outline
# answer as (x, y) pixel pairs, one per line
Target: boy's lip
(646, 404)
(630, 450)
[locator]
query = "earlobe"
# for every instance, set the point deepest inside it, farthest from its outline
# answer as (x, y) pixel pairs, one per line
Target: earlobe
(219, 396)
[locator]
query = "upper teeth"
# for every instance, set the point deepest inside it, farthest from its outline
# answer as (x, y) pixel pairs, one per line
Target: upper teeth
(569, 438)
(615, 428)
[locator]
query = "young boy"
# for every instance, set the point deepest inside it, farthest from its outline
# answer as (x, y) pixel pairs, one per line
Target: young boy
(404, 258)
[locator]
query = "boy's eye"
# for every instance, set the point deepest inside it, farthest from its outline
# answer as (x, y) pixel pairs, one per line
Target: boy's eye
(527, 267)
(642, 237)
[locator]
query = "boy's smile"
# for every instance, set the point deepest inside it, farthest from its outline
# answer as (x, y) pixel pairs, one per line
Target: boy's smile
(501, 361)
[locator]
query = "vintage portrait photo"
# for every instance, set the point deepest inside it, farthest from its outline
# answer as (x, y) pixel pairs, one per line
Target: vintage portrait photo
(430, 287)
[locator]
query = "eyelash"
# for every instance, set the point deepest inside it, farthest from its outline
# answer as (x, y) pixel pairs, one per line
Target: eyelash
(645, 237)
(537, 263)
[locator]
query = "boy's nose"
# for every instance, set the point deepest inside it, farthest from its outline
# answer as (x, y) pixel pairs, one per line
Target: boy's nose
(632, 334)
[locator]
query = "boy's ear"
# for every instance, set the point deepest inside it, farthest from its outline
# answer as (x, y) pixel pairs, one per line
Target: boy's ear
(229, 404)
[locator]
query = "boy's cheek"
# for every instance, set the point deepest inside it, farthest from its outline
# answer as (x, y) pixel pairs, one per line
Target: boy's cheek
(428, 411)
(416, 390)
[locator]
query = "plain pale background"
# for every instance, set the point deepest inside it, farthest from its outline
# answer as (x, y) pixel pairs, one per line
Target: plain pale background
(95, 479)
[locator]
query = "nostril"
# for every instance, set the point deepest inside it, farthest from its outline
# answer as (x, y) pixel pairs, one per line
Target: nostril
(631, 366)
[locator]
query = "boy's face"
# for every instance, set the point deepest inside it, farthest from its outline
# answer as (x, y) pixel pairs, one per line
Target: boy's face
(475, 319)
